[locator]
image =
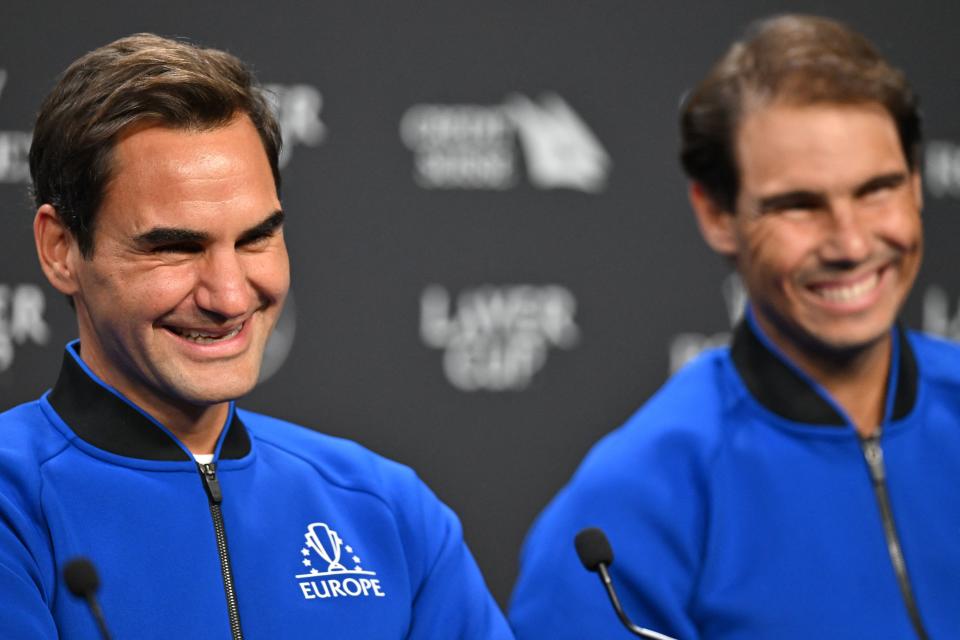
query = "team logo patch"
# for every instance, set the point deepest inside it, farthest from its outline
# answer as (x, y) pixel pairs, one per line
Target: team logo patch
(333, 568)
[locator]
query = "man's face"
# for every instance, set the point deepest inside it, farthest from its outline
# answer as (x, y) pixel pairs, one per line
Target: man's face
(826, 233)
(189, 269)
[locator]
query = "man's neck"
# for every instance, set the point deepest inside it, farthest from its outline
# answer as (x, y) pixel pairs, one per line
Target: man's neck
(198, 428)
(858, 384)
(856, 380)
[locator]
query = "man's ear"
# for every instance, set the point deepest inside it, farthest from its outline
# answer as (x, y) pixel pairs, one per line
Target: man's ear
(57, 250)
(717, 225)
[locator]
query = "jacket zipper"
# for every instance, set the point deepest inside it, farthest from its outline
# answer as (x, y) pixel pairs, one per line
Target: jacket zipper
(873, 453)
(208, 472)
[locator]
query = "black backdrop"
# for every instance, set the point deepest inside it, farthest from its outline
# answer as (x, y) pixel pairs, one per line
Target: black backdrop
(493, 259)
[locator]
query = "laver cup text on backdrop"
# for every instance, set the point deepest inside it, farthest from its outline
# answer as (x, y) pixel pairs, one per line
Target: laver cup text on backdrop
(155, 168)
(801, 482)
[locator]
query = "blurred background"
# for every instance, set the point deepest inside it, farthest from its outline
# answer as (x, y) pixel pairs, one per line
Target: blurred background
(493, 259)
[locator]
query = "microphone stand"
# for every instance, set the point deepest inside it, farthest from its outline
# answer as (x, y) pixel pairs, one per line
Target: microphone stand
(615, 601)
(98, 615)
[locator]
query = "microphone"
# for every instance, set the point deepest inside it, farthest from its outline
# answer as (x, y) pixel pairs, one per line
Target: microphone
(595, 553)
(82, 580)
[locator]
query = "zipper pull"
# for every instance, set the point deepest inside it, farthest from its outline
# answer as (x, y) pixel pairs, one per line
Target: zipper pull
(208, 472)
(874, 455)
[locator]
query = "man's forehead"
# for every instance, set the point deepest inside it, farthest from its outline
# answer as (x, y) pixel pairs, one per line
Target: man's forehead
(171, 183)
(180, 150)
(787, 146)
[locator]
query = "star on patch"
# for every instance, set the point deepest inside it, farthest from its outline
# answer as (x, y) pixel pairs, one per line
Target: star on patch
(305, 552)
(356, 559)
(349, 549)
(306, 562)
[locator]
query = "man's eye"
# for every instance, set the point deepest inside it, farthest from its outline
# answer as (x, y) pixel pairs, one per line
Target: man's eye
(878, 192)
(254, 241)
(177, 248)
(798, 208)
(792, 207)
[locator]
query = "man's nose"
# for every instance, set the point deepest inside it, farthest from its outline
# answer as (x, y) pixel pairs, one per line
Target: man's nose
(223, 288)
(848, 235)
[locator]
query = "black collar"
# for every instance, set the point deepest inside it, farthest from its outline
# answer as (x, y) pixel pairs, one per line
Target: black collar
(778, 387)
(108, 422)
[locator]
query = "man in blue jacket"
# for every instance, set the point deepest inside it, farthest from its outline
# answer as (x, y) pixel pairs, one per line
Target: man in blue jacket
(155, 173)
(803, 482)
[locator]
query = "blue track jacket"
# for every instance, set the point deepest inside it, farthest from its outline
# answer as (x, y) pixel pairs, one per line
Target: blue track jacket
(740, 504)
(323, 539)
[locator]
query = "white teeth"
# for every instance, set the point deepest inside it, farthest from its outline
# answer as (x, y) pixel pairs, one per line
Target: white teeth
(206, 338)
(852, 292)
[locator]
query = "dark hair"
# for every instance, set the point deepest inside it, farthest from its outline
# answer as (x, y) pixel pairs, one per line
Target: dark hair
(791, 59)
(139, 79)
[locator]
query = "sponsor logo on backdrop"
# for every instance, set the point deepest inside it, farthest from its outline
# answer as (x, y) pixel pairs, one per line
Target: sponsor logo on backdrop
(21, 320)
(332, 568)
(496, 338)
(941, 170)
(297, 108)
(14, 148)
(940, 317)
(684, 347)
(470, 146)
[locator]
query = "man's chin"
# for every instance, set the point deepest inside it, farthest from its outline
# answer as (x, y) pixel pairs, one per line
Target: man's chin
(845, 344)
(829, 339)
(207, 391)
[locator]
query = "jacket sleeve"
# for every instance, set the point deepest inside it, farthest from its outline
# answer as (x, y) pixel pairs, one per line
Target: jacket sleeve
(648, 497)
(450, 598)
(24, 603)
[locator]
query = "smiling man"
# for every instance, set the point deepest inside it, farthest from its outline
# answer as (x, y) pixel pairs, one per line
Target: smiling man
(155, 174)
(801, 483)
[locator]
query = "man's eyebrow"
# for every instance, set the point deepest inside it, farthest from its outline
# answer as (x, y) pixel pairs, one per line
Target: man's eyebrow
(807, 199)
(885, 181)
(169, 235)
(264, 229)
(790, 200)
(158, 236)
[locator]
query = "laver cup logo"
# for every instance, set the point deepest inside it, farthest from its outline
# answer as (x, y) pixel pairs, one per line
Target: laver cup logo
(14, 149)
(940, 317)
(334, 568)
(684, 347)
(942, 168)
(495, 338)
(21, 320)
(327, 544)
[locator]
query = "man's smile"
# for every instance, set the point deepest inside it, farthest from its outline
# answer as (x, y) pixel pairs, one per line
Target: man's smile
(206, 336)
(846, 291)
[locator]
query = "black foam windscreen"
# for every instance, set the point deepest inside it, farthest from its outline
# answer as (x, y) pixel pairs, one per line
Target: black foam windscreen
(593, 548)
(81, 577)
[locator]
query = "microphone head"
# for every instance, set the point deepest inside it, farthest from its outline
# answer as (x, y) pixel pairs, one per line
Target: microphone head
(593, 548)
(81, 577)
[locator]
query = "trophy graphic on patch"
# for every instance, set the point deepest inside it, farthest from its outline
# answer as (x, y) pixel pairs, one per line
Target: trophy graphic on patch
(326, 543)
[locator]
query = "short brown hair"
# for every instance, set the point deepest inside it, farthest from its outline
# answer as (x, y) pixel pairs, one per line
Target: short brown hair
(793, 59)
(139, 79)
